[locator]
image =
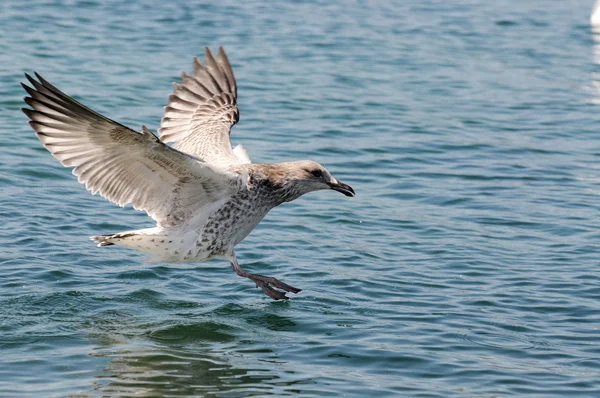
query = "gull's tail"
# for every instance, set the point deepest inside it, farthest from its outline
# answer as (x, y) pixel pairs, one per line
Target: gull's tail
(122, 238)
(103, 240)
(147, 240)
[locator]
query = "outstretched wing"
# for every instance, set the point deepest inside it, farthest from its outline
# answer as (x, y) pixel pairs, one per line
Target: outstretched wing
(122, 165)
(202, 110)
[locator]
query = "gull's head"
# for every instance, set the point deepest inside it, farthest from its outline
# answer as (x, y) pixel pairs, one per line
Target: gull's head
(305, 176)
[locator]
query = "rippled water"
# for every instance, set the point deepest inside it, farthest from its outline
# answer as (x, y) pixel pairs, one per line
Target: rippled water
(467, 264)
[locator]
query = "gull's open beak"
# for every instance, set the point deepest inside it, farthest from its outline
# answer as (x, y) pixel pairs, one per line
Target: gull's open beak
(343, 188)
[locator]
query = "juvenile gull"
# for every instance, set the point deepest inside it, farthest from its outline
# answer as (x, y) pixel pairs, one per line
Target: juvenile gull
(204, 196)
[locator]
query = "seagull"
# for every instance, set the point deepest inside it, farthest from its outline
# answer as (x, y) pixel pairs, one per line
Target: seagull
(204, 195)
(595, 15)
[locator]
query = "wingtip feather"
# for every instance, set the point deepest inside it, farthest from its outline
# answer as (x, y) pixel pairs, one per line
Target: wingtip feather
(197, 65)
(28, 112)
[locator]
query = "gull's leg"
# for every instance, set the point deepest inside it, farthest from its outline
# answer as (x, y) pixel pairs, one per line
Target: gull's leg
(263, 281)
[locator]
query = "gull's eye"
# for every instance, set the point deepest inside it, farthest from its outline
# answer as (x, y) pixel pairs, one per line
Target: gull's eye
(316, 173)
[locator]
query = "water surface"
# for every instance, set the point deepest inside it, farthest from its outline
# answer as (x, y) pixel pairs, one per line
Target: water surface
(467, 264)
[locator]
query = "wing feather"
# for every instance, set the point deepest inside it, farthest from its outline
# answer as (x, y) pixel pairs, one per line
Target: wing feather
(241, 154)
(202, 110)
(122, 165)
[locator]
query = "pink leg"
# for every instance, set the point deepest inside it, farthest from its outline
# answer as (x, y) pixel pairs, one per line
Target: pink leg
(264, 282)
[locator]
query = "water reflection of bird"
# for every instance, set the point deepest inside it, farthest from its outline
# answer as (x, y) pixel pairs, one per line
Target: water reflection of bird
(204, 195)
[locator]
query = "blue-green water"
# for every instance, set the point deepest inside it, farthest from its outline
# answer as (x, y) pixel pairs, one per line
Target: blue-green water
(466, 266)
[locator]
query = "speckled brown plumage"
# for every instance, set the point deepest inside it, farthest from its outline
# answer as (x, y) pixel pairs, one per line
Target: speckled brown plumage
(204, 195)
